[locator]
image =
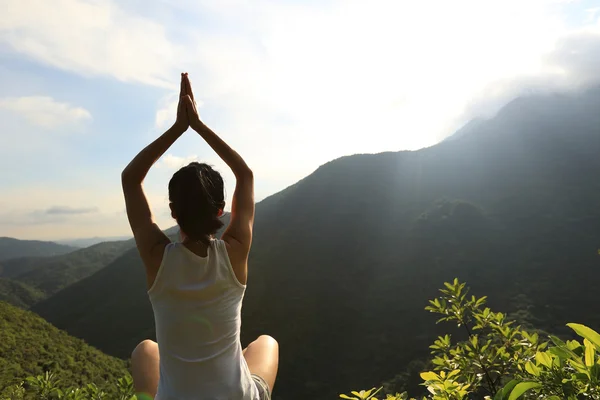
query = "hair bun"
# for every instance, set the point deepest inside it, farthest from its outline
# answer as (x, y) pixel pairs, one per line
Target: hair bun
(196, 193)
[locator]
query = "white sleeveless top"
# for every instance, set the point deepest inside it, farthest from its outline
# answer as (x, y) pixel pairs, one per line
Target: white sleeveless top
(197, 303)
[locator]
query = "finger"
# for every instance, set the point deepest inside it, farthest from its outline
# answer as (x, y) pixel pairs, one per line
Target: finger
(182, 89)
(188, 103)
(189, 87)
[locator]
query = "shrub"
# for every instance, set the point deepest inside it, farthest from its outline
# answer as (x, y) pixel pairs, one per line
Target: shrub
(48, 387)
(501, 361)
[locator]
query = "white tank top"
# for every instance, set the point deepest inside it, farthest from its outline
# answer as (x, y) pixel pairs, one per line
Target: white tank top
(197, 303)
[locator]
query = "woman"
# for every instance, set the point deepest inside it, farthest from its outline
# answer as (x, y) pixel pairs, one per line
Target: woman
(196, 286)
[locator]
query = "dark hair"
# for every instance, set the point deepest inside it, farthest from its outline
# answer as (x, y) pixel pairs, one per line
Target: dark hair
(196, 194)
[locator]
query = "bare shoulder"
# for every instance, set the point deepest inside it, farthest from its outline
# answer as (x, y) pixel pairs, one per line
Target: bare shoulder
(151, 244)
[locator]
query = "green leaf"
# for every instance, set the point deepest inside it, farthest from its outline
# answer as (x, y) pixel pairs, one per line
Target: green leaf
(590, 352)
(578, 366)
(504, 392)
(532, 368)
(557, 342)
(429, 376)
(521, 388)
(587, 333)
(372, 395)
(544, 359)
(453, 373)
(560, 353)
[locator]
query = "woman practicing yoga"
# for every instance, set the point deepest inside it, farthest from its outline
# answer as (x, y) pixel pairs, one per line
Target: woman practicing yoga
(196, 286)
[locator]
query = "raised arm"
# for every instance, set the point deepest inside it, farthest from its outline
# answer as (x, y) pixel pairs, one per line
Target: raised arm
(238, 234)
(150, 240)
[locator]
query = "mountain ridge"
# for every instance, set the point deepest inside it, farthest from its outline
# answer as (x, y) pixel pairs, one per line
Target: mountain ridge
(87, 242)
(48, 275)
(14, 248)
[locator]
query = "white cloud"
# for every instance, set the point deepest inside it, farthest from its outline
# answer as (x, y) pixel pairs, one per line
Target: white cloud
(330, 72)
(390, 65)
(376, 76)
(27, 211)
(90, 38)
(571, 65)
(167, 113)
(593, 15)
(297, 85)
(66, 210)
(44, 111)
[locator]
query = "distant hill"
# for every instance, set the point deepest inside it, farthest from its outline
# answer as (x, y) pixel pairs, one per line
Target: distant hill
(87, 242)
(344, 261)
(13, 248)
(48, 275)
(19, 294)
(28, 280)
(29, 346)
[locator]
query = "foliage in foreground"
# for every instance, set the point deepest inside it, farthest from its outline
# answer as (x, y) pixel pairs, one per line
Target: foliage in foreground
(502, 361)
(48, 387)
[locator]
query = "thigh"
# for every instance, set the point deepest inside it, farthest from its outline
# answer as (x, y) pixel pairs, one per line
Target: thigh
(145, 368)
(262, 357)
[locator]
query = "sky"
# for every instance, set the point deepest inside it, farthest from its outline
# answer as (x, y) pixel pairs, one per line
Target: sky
(291, 85)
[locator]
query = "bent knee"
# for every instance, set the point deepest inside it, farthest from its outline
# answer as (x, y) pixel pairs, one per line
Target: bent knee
(145, 347)
(267, 340)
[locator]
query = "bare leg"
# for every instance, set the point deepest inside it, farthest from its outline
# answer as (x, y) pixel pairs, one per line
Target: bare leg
(262, 357)
(145, 368)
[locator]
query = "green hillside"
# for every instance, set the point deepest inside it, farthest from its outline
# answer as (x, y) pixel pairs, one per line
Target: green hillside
(19, 294)
(48, 275)
(29, 346)
(28, 280)
(14, 248)
(344, 261)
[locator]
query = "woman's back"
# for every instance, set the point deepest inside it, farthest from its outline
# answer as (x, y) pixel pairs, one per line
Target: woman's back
(197, 308)
(197, 300)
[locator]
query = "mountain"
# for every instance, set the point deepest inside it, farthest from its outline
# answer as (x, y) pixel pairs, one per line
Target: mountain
(28, 280)
(29, 346)
(344, 261)
(87, 242)
(13, 248)
(19, 294)
(471, 126)
(48, 275)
